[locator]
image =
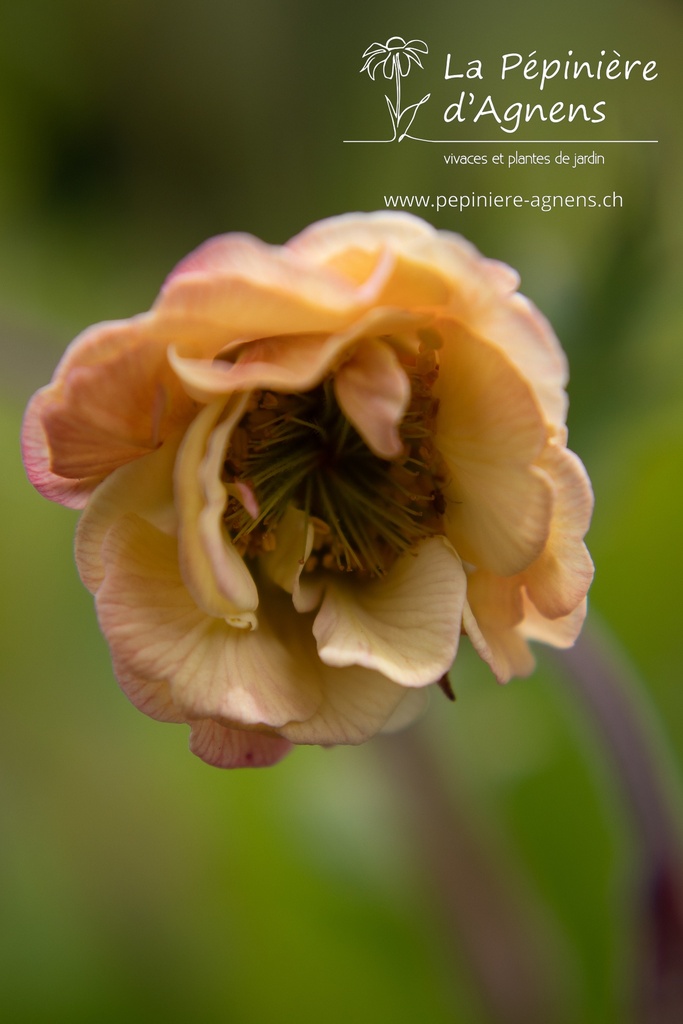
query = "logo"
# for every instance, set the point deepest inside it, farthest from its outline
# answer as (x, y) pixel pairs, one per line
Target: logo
(499, 96)
(395, 59)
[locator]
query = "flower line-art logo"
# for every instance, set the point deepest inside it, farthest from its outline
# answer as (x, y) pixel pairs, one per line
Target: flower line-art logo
(395, 58)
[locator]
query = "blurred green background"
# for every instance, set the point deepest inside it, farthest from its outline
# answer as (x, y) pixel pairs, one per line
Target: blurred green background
(137, 884)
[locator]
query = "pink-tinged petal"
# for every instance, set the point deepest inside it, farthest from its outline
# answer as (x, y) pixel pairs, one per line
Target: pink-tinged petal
(561, 632)
(156, 631)
(256, 290)
(293, 544)
(559, 579)
(143, 487)
(152, 698)
(236, 748)
(492, 614)
(490, 431)
(405, 626)
(373, 391)
(214, 572)
(36, 455)
(106, 411)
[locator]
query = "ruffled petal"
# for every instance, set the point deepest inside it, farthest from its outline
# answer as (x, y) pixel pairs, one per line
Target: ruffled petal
(561, 632)
(559, 579)
(519, 330)
(213, 570)
(382, 253)
(284, 363)
(114, 399)
(493, 610)
(477, 292)
(373, 391)
(152, 698)
(255, 290)
(143, 487)
(157, 632)
(236, 748)
(405, 626)
(357, 703)
(490, 432)
(36, 455)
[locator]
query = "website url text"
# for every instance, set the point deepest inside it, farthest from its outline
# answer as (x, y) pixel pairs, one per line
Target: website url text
(474, 200)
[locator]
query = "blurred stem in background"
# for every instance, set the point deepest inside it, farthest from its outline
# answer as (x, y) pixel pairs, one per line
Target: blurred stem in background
(497, 929)
(509, 950)
(601, 681)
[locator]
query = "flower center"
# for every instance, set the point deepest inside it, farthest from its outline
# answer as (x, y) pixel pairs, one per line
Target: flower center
(300, 450)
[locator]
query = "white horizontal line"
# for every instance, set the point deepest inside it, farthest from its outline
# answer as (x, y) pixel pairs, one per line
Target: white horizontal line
(522, 142)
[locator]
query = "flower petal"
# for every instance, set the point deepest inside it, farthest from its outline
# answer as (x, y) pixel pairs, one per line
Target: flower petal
(357, 704)
(214, 671)
(293, 543)
(114, 398)
(413, 704)
(479, 293)
(383, 252)
(490, 431)
(152, 698)
(253, 290)
(213, 570)
(236, 748)
(561, 632)
(405, 626)
(287, 362)
(35, 446)
(527, 339)
(493, 610)
(373, 391)
(559, 579)
(144, 487)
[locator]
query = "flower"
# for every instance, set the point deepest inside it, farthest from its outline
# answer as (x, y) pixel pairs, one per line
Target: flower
(306, 471)
(394, 57)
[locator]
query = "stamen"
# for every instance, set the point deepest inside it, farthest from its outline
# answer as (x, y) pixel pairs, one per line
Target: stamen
(301, 450)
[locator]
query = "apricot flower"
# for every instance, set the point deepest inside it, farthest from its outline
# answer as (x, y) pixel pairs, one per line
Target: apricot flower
(306, 471)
